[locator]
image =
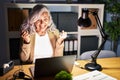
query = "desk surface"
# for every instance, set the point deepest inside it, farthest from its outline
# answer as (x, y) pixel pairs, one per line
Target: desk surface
(111, 66)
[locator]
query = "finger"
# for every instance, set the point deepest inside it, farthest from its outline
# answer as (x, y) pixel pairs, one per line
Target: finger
(62, 31)
(25, 34)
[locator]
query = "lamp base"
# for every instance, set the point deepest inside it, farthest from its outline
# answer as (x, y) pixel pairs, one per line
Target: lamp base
(92, 66)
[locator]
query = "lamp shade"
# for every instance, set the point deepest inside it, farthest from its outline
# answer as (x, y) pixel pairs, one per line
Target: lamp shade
(84, 20)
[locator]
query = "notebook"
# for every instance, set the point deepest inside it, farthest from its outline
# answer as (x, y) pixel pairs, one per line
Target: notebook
(49, 67)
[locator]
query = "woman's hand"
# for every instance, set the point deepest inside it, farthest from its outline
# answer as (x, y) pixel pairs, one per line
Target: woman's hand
(25, 36)
(63, 35)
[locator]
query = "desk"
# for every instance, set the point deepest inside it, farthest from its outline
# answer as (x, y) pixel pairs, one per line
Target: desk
(111, 66)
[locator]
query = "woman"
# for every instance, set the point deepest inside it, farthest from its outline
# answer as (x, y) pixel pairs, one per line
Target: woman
(40, 38)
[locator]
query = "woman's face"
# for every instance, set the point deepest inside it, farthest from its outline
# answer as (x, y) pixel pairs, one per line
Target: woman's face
(41, 25)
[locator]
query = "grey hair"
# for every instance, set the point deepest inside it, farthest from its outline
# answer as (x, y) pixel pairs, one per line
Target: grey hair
(28, 23)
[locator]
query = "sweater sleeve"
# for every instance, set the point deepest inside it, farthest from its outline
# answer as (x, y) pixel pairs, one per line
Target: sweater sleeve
(59, 46)
(26, 51)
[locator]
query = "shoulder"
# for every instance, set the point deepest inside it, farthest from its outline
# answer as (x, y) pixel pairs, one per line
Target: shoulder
(54, 32)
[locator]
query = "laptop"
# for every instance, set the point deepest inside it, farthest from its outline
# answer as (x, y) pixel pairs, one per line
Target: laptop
(49, 67)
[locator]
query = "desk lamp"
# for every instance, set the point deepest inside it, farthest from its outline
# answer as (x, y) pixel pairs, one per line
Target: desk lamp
(84, 21)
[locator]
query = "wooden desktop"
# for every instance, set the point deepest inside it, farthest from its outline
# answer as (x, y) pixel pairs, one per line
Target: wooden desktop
(111, 67)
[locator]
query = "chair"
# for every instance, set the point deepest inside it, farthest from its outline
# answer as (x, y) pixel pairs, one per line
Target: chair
(102, 54)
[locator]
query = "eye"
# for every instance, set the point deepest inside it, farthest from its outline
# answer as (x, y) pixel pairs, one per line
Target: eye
(45, 19)
(38, 21)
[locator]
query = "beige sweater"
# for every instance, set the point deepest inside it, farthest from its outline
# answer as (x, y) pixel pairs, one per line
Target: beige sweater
(27, 50)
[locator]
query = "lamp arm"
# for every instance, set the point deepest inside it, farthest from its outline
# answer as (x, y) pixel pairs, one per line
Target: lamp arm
(102, 31)
(104, 38)
(96, 53)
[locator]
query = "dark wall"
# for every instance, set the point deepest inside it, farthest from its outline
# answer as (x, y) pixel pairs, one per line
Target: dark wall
(3, 44)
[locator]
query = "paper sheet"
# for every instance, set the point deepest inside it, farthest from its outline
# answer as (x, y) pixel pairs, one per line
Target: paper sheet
(94, 75)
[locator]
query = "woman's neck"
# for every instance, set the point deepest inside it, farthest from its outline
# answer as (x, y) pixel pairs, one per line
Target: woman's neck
(41, 33)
